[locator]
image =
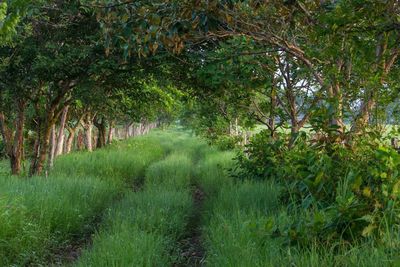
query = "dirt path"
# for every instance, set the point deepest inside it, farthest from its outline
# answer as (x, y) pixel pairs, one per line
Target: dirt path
(192, 252)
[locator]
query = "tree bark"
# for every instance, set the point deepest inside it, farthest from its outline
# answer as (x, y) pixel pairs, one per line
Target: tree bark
(80, 140)
(70, 140)
(6, 133)
(14, 143)
(88, 129)
(43, 140)
(60, 135)
(102, 132)
(111, 132)
(271, 120)
(127, 130)
(53, 146)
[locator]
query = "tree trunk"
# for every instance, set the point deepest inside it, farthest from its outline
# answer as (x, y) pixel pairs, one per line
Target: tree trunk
(61, 136)
(6, 133)
(102, 132)
(14, 142)
(43, 140)
(127, 130)
(53, 146)
(70, 140)
(102, 137)
(88, 137)
(111, 132)
(271, 120)
(88, 128)
(44, 145)
(294, 131)
(18, 146)
(80, 140)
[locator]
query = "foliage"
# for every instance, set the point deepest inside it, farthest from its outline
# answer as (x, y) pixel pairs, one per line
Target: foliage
(10, 15)
(245, 221)
(359, 199)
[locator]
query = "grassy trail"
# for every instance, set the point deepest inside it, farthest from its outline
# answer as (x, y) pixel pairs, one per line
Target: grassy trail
(190, 212)
(165, 199)
(43, 219)
(146, 228)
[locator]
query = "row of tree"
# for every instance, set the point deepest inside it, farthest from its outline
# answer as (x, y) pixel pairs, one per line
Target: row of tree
(56, 76)
(331, 64)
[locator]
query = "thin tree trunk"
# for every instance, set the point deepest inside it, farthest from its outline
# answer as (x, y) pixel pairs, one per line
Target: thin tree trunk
(43, 140)
(61, 136)
(53, 146)
(70, 140)
(18, 146)
(14, 142)
(88, 137)
(127, 130)
(80, 140)
(88, 128)
(6, 134)
(111, 132)
(272, 112)
(102, 132)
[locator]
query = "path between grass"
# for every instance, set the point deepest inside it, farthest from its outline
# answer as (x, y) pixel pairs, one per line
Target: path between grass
(191, 247)
(149, 227)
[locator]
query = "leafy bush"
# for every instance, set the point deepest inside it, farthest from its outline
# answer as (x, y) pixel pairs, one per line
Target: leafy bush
(350, 192)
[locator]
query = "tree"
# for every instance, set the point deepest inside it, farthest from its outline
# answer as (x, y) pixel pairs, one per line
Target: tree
(11, 13)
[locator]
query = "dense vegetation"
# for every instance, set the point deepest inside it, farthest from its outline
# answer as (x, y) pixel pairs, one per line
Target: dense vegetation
(295, 108)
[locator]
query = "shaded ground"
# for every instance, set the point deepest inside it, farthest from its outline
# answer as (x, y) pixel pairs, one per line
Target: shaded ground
(192, 252)
(73, 249)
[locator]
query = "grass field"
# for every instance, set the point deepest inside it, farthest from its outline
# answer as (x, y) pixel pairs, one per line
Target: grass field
(133, 204)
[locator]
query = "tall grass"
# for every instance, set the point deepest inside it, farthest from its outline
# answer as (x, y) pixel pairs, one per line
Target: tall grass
(173, 173)
(241, 222)
(39, 216)
(146, 225)
(143, 229)
(124, 162)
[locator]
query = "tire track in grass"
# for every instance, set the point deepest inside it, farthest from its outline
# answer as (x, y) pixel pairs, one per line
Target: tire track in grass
(192, 251)
(72, 250)
(191, 246)
(144, 228)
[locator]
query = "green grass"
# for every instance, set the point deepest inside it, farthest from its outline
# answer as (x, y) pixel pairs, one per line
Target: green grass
(124, 162)
(212, 172)
(174, 172)
(240, 218)
(147, 224)
(144, 228)
(39, 216)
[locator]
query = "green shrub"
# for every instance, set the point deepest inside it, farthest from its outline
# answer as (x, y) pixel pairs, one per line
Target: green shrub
(350, 192)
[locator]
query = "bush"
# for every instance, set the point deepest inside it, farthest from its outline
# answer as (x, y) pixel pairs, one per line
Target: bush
(350, 192)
